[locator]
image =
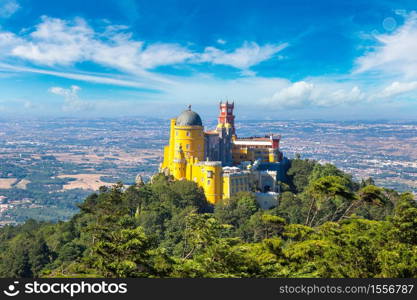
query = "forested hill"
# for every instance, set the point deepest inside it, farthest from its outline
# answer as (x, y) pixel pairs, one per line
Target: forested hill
(326, 225)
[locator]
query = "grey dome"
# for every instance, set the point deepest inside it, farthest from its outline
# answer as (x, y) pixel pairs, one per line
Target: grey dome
(189, 118)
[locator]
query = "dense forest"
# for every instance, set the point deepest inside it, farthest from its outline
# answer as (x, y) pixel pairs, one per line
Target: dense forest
(326, 225)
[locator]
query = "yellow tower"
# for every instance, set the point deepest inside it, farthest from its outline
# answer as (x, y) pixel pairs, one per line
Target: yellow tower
(184, 156)
(208, 175)
(179, 164)
(189, 134)
(272, 155)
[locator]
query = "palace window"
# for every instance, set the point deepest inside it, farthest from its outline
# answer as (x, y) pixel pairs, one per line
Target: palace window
(208, 182)
(187, 146)
(188, 133)
(209, 174)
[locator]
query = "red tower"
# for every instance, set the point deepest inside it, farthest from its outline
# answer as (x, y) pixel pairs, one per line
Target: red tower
(226, 114)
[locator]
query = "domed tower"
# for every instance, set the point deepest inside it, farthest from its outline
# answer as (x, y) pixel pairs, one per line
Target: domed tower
(186, 144)
(184, 156)
(189, 134)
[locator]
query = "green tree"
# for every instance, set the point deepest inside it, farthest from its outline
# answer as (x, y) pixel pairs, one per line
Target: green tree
(124, 253)
(15, 261)
(329, 198)
(405, 220)
(367, 195)
(237, 210)
(39, 256)
(263, 226)
(290, 207)
(299, 173)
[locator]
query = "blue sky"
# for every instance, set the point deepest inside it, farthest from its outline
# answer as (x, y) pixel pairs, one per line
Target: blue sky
(275, 59)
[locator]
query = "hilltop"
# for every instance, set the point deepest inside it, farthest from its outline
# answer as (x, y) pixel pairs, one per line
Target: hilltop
(326, 225)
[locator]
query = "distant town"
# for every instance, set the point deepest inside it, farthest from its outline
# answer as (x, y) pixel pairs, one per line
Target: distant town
(49, 165)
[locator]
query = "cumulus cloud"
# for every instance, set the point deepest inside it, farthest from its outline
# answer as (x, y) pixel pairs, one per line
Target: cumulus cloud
(8, 41)
(303, 94)
(395, 52)
(8, 8)
(72, 103)
(397, 88)
(72, 92)
(295, 95)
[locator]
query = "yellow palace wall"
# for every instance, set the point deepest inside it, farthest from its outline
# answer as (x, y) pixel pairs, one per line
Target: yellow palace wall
(189, 163)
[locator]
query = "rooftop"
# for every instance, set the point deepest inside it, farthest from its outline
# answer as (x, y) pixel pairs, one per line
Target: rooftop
(189, 118)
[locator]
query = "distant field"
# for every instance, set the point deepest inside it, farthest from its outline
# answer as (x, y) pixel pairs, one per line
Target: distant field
(105, 151)
(137, 157)
(22, 184)
(83, 181)
(6, 183)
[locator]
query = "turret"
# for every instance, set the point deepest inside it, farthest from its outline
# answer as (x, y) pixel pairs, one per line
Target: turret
(179, 164)
(211, 180)
(189, 134)
(226, 115)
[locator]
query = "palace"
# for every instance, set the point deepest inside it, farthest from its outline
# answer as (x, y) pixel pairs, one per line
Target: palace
(222, 163)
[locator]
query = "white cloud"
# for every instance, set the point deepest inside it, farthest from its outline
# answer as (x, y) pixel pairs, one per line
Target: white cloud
(303, 94)
(57, 42)
(72, 102)
(8, 8)
(396, 53)
(221, 41)
(250, 54)
(95, 78)
(295, 95)
(163, 54)
(8, 41)
(248, 73)
(397, 88)
(72, 92)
